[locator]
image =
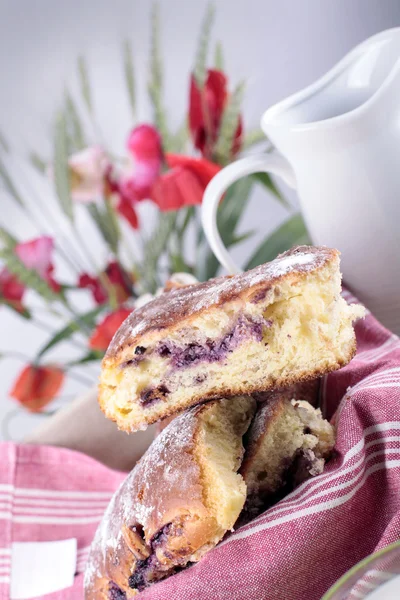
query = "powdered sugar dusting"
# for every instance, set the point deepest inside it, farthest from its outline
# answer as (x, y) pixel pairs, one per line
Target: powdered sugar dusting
(168, 309)
(140, 501)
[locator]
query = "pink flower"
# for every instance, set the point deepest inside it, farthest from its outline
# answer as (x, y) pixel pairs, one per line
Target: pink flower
(87, 169)
(145, 148)
(182, 185)
(36, 255)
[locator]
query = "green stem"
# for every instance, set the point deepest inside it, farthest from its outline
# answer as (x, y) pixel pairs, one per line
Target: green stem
(80, 378)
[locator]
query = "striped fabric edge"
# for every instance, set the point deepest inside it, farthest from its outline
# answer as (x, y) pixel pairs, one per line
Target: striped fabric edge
(333, 496)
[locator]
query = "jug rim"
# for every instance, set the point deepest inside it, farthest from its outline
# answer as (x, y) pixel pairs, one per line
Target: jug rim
(269, 116)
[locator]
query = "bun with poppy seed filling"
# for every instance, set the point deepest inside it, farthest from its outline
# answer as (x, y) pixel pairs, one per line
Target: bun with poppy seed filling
(287, 443)
(268, 328)
(181, 498)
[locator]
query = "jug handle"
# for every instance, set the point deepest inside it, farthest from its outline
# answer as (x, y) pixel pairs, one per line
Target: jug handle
(269, 163)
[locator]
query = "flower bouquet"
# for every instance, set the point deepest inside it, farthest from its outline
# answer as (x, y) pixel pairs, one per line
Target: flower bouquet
(160, 167)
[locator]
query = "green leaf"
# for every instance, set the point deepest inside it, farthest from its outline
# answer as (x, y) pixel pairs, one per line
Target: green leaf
(84, 82)
(232, 207)
(179, 140)
(74, 127)
(189, 213)
(3, 143)
(238, 239)
(228, 218)
(178, 265)
(66, 332)
(91, 356)
(107, 224)
(155, 86)
(292, 232)
(38, 162)
(200, 65)
(219, 57)
(129, 75)
(24, 313)
(7, 238)
(229, 124)
(266, 180)
(28, 277)
(61, 172)
(113, 223)
(252, 137)
(9, 185)
(156, 246)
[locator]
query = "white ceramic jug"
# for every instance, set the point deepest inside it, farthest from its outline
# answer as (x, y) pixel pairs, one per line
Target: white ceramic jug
(338, 144)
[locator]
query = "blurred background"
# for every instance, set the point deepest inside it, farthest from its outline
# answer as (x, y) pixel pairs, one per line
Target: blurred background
(277, 47)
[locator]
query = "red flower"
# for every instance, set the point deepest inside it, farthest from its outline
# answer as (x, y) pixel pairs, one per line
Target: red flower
(184, 184)
(206, 107)
(36, 255)
(94, 285)
(122, 203)
(104, 332)
(120, 280)
(203, 169)
(126, 209)
(117, 278)
(11, 289)
(36, 386)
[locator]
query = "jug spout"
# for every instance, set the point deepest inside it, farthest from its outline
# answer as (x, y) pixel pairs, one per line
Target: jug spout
(368, 77)
(374, 72)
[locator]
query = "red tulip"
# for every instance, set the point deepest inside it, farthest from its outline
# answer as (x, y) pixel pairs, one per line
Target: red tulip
(105, 330)
(120, 280)
(117, 278)
(184, 184)
(36, 386)
(123, 204)
(36, 255)
(206, 107)
(203, 169)
(93, 284)
(11, 290)
(126, 208)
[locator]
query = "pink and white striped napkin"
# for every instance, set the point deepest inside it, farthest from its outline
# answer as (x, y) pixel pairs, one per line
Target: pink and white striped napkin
(295, 550)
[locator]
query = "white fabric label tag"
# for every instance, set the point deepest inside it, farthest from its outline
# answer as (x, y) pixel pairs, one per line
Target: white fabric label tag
(39, 568)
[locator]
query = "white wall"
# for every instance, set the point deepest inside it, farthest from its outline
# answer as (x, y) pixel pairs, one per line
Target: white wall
(278, 46)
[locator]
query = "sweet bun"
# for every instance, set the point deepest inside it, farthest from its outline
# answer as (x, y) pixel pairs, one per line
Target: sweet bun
(276, 325)
(288, 442)
(176, 504)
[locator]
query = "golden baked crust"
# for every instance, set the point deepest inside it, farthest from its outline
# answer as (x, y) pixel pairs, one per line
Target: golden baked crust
(180, 305)
(163, 514)
(279, 324)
